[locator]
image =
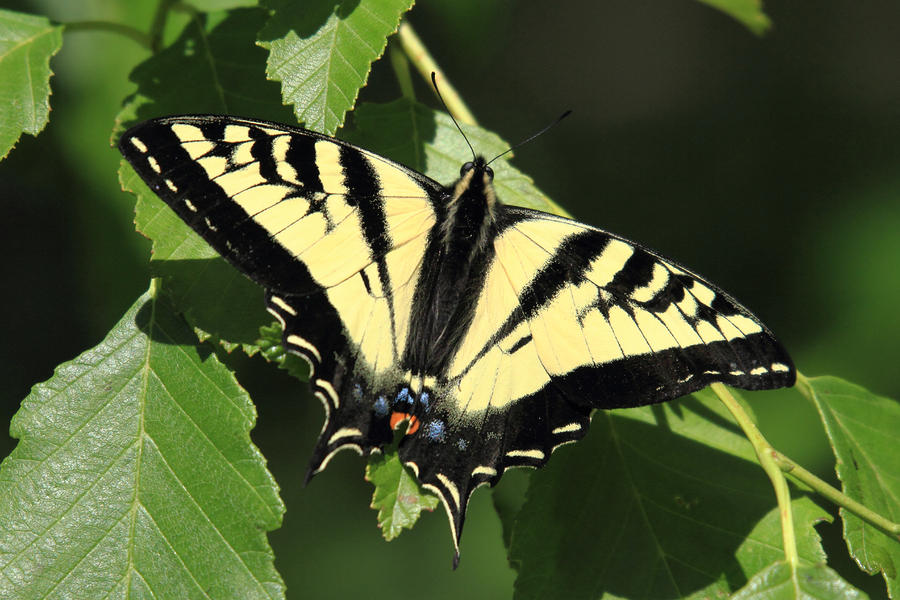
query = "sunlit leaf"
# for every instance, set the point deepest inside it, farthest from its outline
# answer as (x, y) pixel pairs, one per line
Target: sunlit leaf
(748, 12)
(271, 348)
(806, 582)
(864, 430)
(322, 51)
(135, 475)
(398, 497)
(26, 44)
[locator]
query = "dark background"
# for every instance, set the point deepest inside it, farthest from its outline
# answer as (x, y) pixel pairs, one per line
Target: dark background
(771, 165)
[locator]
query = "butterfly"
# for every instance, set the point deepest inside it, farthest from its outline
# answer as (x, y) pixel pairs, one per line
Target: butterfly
(490, 332)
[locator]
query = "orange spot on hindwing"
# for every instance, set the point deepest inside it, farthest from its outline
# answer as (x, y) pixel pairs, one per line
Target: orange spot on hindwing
(399, 417)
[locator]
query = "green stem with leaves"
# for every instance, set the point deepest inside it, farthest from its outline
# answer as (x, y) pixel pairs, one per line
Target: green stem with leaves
(802, 475)
(772, 460)
(764, 453)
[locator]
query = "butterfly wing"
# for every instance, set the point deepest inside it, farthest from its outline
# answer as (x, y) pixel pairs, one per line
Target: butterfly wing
(571, 318)
(334, 233)
(609, 321)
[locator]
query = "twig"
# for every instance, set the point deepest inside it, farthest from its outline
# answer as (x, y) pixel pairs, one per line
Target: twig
(128, 31)
(426, 65)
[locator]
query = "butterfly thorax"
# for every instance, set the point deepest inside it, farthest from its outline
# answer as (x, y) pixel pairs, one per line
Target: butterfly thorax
(457, 268)
(470, 209)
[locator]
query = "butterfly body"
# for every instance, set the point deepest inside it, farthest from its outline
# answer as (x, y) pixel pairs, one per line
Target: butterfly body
(492, 331)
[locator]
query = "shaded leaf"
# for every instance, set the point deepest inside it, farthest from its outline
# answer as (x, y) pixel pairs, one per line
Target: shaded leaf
(26, 44)
(863, 430)
(217, 299)
(321, 52)
(748, 12)
(427, 140)
(670, 492)
(398, 497)
(508, 497)
(213, 68)
(135, 474)
(807, 582)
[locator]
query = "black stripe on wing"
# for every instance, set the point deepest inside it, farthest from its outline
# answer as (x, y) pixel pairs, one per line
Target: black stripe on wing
(751, 361)
(161, 160)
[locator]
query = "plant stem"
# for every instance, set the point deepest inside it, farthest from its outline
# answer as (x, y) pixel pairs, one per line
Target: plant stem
(128, 31)
(159, 23)
(426, 65)
(765, 453)
(400, 64)
(821, 487)
(156, 284)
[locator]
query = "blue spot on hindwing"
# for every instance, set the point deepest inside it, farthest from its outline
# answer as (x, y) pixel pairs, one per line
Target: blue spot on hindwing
(434, 430)
(381, 407)
(404, 396)
(357, 392)
(425, 399)
(462, 444)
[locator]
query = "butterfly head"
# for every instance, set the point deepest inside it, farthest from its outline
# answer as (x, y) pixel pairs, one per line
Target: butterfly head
(478, 167)
(475, 184)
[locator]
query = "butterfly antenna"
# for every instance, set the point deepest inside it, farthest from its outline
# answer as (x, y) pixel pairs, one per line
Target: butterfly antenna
(441, 98)
(528, 139)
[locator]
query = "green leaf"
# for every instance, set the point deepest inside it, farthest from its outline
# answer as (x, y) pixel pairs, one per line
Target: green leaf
(863, 431)
(26, 44)
(398, 497)
(135, 475)
(322, 51)
(271, 348)
(748, 12)
(427, 140)
(213, 67)
(807, 582)
(670, 492)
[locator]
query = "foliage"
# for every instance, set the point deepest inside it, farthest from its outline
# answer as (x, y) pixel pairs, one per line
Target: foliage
(398, 497)
(863, 430)
(135, 472)
(26, 45)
